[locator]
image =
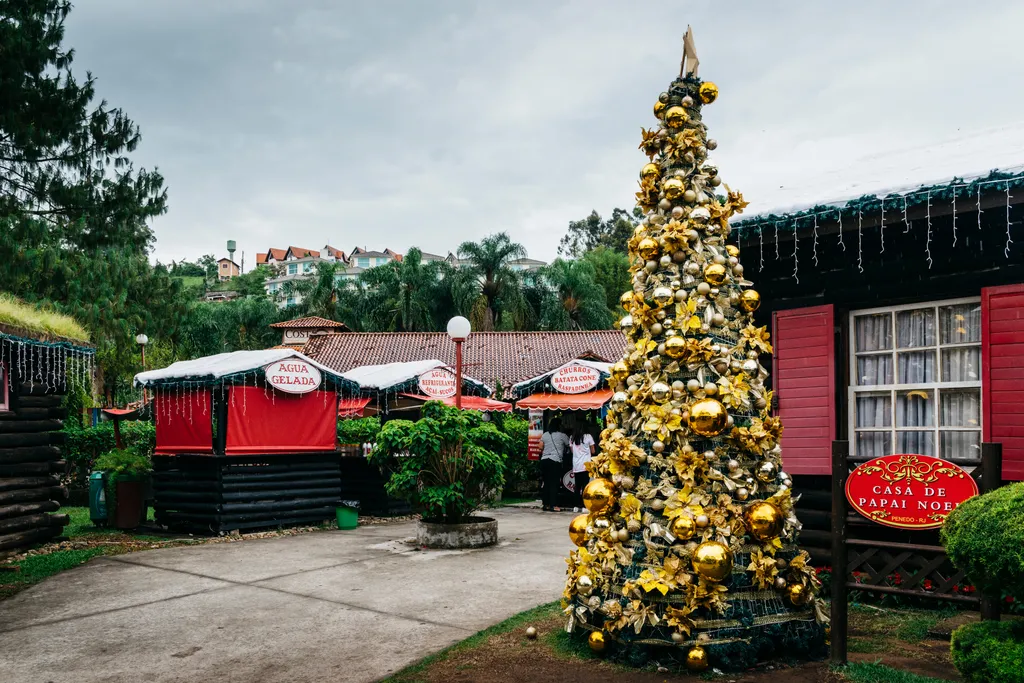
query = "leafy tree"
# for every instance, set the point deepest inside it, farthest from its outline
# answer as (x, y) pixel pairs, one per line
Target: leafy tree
(489, 288)
(593, 231)
(579, 302)
(253, 283)
(186, 269)
(611, 271)
(209, 265)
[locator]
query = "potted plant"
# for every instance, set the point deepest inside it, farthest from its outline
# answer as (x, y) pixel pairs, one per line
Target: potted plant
(127, 473)
(446, 464)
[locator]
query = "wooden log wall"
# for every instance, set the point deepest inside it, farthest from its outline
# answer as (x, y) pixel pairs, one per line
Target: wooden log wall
(31, 464)
(363, 481)
(219, 494)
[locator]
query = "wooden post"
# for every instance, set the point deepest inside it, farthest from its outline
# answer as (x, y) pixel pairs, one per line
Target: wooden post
(840, 451)
(991, 479)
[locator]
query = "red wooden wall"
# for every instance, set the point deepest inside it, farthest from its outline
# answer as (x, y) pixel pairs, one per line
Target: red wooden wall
(1002, 368)
(804, 377)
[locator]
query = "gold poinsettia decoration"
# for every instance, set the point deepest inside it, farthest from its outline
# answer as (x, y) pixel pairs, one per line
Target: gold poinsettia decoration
(734, 201)
(765, 569)
(638, 615)
(753, 438)
(679, 618)
(708, 595)
(734, 390)
(756, 338)
(647, 195)
(649, 142)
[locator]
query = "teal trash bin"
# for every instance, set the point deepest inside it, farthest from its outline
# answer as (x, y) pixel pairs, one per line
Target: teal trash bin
(98, 498)
(348, 514)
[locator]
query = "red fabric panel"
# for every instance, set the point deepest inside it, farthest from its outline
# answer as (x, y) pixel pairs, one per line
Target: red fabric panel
(805, 382)
(352, 407)
(1002, 378)
(184, 422)
(478, 403)
(268, 421)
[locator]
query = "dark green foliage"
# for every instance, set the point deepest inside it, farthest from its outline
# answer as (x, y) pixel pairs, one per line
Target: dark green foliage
(593, 232)
(121, 464)
(358, 431)
(446, 464)
(578, 302)
(487, 286)
(870, 672)
(990, 651)
(521, 474)
(611, 272)
(85, 445)
(984, 537)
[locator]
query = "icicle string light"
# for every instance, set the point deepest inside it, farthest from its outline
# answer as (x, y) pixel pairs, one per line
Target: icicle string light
(796, 250)
(815, 245)
(860, 239)
(881, 227)
(776, 240)
(954, 215)
(760, 244)
(928, 241)
(981, 242)
(841, 243)
(1006, 251)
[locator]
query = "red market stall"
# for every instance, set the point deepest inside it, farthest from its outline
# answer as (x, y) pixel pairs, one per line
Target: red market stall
(574, 392)
(245, 440)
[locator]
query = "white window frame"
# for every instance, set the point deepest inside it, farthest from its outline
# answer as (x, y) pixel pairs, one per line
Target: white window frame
(935, 387)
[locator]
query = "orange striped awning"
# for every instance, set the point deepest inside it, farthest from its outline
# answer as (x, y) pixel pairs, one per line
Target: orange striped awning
(484, 405)
(589, 400)
(352, 407)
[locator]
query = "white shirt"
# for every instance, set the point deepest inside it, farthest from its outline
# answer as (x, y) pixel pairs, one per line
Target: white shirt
(581, 453)
(554, 445)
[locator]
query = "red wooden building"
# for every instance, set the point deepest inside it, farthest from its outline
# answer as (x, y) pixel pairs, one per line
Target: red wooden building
(897, 322)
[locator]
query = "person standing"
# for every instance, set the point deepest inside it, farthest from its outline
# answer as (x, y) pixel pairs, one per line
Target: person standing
(582, 446)
(555, 444)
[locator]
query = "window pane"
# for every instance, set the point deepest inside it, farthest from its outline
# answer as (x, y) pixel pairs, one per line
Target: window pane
(874, 410)
(915, 409)
(960, 324)
(960, 408)
(961, 364)
(915, 329)
(915, 367)
(920, 443)
(874, 332)
(960, 445)
(874, 370)
(873, 444)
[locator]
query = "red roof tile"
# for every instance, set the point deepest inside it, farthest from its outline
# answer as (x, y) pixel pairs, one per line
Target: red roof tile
(261, 258)
(310, 321)
(276, 254)
(300, 252)
(491, 357)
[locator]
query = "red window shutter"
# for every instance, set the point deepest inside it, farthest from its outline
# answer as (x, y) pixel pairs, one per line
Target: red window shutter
(804, 378)
(1002, 373)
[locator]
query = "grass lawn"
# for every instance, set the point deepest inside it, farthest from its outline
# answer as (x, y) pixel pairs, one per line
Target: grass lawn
(504, 653)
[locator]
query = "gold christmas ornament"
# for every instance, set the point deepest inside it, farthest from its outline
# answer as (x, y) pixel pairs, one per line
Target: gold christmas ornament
(648, 249)
(673, 189)
(764, 520)
(750, 300)
(660, 392)
(714, 273)
(598, 494)
(676, 117)
(584, 585)
(683, 527)
(662, 295)
(708, 417)
(767, 471)
(626, 323)
(697, 659)
(708, 92)
(620, 371)
(531, 632)
(732, 250)
(712, 560)
(659, 108)
(596, 641)
(626, 300)
(650, 172)
(675, 347)
(578, 529)
(798, 594)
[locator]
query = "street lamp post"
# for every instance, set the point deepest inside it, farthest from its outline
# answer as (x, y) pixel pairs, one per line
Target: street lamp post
(458, 329)
(142, 340)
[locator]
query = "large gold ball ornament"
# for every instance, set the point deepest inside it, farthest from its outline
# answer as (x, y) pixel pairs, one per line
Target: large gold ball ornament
(673, 188)
(712, 560)
(660, 392)
(596, 641)
(767, 471)
(620, 398)
(675, 347)
(662, 295)
(714, 274)
(732, 250)
(750, 300)
(798, 594)
(648, 249)
(708, 417)
(764, 520)
(683, 527)
(584, 585)
(676, 117)
(626, 323)
(659, 108)
(598, 494)
(697, 659)
(650, 171)
(578, 529)
(626, 300)
(708, 92)
(620, 371)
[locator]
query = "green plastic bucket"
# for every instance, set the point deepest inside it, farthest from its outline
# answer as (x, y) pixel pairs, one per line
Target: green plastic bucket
(348, 518)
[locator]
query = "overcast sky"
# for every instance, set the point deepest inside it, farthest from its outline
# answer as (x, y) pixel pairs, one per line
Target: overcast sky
(429, 122)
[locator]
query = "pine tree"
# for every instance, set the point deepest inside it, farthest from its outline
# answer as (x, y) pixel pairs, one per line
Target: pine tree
(689, 550)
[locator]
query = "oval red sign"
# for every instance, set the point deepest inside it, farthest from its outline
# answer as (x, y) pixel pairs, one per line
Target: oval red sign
(908, 491)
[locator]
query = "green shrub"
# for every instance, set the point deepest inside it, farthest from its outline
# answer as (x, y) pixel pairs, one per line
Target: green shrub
(358, 431)
(447, 464)
(84, 445)
(984, 536)
(520, 472)
(990, 651)
(123, 463)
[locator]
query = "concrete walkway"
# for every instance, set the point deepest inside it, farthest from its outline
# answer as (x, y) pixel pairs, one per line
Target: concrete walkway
(329, 606)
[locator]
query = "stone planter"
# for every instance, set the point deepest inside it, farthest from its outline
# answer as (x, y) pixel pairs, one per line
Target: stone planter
(475, 532)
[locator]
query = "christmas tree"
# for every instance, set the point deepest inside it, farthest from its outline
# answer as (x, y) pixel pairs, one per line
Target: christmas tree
(689, 548)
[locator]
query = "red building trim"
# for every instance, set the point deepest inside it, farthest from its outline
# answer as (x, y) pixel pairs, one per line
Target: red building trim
(804, 373)
(1002, 368)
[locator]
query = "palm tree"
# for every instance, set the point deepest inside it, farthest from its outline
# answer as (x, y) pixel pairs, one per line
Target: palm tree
(490, 288)
(579, 302)
(400, 294)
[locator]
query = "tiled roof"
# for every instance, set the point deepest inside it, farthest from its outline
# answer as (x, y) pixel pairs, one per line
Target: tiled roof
(300, 252)
(310, 321)
(261, 258)
(335, 253)
(491, 357)
(276, 254)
